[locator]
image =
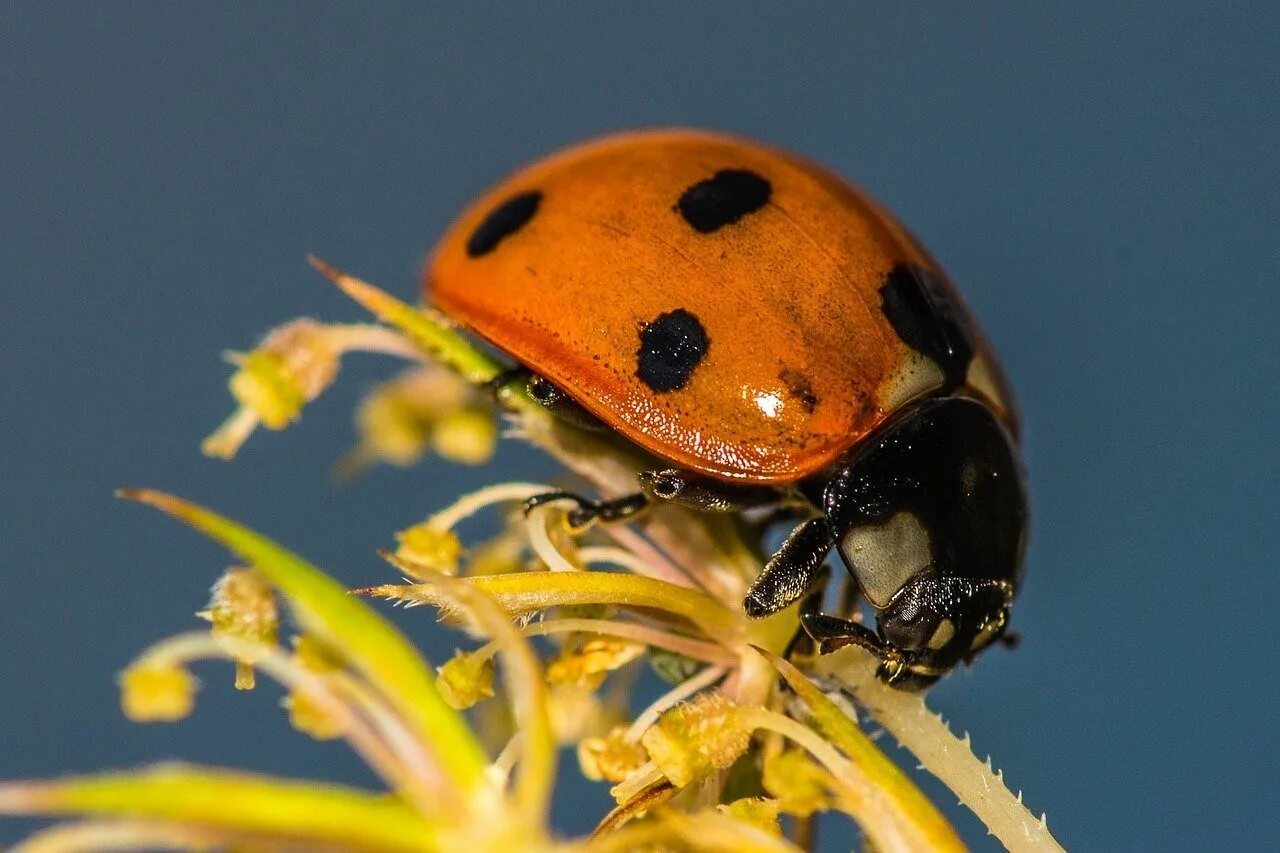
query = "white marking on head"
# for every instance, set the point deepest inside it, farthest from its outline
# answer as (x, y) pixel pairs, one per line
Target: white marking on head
(883, 557)
(942, 634)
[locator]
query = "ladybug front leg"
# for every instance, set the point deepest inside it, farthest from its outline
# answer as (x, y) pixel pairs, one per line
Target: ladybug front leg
(792, 570)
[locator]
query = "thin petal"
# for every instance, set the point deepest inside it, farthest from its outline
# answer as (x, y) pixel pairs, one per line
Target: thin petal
(906, 717)
(528, 592)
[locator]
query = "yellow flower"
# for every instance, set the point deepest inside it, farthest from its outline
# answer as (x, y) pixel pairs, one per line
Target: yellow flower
(306, 714)
(589, 663)
(798, 784)
(429, 545)
(157, 692)
(697, 738)
(610, 758)
(243, 613)
(466, 436)
(754, 811)
(465, 679)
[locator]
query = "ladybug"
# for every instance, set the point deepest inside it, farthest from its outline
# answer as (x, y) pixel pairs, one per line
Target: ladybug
(774, 338)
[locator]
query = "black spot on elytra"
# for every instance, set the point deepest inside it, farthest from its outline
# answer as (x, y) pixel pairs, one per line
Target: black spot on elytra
(671, 347)
(927, 319)
(723, 199)
(800, 388)
(503, 221)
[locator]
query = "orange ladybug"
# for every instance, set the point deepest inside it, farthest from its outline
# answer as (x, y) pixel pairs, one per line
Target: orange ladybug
(775, 337)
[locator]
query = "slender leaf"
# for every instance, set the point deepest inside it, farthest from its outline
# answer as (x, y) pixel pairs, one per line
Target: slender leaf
(368, 640)
(243, 802)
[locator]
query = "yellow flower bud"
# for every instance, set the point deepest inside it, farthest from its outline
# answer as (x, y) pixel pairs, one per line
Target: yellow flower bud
(612, 757)
(400, 418)
(500, 556)
(697, 738)
(243, 612)
(466, 436)
(575, 712)
(755, 812)
(391, 428)
(430, 546)
(305, 713)
(309, 717)
(465, 680)
(291, 367)
(157, 691)
(589, 663)
(800, 785)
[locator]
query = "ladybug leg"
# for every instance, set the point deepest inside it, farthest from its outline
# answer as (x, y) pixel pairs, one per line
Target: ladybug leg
(686, 488)
(587, 511)
(505, 377)
(560, 404)
(802, 643)
(901, 668)
(832, 632)
(792, 570)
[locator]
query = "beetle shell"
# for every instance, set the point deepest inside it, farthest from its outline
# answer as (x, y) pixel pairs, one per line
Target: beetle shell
(729, 307)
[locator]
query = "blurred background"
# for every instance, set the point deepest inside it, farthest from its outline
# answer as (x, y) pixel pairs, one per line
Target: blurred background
(1101, 182)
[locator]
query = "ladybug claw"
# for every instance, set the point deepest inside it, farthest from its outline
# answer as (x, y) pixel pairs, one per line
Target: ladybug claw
(555, 497)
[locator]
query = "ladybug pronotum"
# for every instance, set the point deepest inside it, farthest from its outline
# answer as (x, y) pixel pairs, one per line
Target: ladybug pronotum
(772, 337)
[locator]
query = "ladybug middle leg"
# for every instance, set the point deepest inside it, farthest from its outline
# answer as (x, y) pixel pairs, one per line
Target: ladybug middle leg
(586, 511)
(668, 485)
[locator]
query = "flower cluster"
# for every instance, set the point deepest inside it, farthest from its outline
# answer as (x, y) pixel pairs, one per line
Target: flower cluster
(744, 749)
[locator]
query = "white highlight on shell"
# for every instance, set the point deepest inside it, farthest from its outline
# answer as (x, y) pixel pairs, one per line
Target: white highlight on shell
(769, 402)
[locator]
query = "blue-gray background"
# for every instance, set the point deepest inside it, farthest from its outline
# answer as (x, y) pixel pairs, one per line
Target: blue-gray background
(1101, 183)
